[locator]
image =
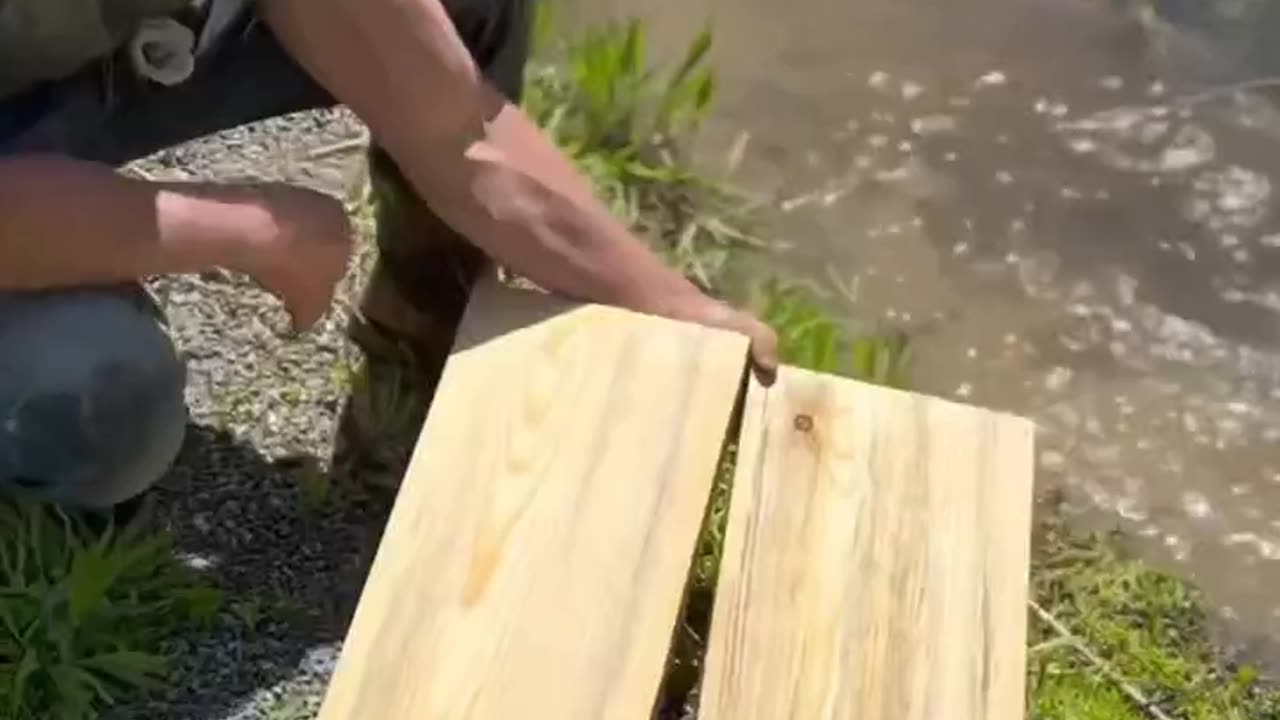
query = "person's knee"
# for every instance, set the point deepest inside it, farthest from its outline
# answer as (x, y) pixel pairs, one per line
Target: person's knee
(91, 398)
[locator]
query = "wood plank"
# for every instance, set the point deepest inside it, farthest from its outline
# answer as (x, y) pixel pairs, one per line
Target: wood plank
(535, 561)
(876, 559)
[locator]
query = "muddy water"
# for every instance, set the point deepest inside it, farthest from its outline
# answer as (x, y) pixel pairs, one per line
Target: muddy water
(1071, 219)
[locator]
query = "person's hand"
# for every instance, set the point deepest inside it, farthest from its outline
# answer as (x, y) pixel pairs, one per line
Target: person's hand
(298, 249)
(713, 313)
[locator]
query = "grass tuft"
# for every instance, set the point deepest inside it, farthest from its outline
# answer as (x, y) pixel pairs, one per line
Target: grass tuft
(811, 338)
(1147, 625)
(628, 125)
(84, 615)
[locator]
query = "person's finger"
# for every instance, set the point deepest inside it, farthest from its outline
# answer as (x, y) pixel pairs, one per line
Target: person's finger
(306, 312)
(764, 351)
(299, 321)
(763, 340)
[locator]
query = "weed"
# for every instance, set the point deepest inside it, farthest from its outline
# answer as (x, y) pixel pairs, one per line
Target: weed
(83, 616)
(271, 608)
(1147, 625)
(200, 604)
(315, 486)
(809, 337)
(610, 99)
(626, 124)
(249, 612)
(286, 610)
(711, 541)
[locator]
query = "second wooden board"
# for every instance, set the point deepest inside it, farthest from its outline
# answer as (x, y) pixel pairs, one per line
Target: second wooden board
(535, 561)
(876, 559)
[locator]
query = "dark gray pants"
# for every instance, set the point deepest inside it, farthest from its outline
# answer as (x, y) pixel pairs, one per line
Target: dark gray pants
(91, 390)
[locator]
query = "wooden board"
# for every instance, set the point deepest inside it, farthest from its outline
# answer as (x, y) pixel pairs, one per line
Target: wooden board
(535, 561)
(876, 559)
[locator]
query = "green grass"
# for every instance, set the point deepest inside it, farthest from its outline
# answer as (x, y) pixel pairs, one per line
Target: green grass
(84, 614)
(1149, 626)
(627, 123)
(810, 337)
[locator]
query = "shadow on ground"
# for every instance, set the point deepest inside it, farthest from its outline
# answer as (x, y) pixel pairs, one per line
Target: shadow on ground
(290, 576)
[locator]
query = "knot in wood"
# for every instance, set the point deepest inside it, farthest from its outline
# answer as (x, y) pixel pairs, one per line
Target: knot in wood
(803, 423)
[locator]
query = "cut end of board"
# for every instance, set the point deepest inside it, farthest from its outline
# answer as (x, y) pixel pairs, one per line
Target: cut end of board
(875, 558)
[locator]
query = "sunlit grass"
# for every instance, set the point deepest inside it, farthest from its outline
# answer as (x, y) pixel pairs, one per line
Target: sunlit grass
(1148, 626)
(628, 124)
(85, 613)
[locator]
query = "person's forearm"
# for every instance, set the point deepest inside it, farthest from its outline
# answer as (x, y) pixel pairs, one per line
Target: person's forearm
(67, 223)
(477, 160)
(524, 204)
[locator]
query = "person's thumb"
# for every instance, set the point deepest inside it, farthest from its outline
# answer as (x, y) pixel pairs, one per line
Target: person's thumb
(764, 347)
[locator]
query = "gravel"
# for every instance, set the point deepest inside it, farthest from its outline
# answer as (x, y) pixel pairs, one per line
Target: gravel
(263, 409)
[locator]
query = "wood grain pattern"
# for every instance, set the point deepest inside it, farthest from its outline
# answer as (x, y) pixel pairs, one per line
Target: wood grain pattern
(535, 561)
(876, 559)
